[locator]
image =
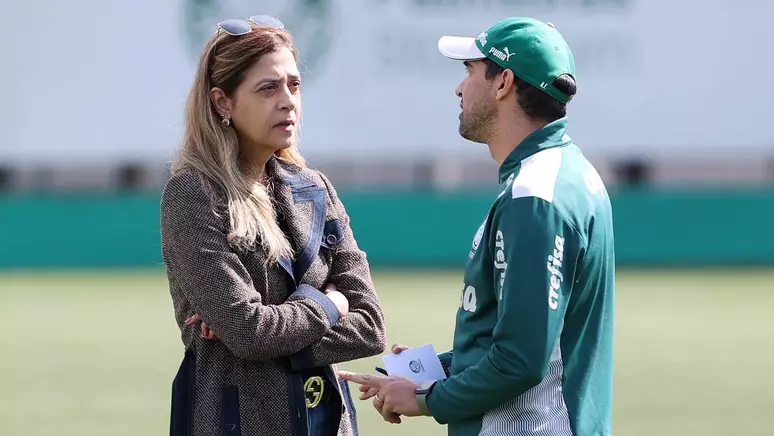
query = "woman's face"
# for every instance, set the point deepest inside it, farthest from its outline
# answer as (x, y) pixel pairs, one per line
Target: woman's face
(265, 107)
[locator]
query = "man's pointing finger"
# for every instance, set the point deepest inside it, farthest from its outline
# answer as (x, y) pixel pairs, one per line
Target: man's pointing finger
(370, 380)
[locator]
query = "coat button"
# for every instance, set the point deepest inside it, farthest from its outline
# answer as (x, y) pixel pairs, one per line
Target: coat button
(330, 239)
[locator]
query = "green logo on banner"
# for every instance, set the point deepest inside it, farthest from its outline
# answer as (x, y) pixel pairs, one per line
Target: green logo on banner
(309, 21)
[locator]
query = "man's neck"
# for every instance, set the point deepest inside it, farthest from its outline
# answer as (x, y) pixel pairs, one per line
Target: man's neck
(509, 135)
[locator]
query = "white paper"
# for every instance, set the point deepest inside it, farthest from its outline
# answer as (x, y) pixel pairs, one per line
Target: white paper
(419, 364)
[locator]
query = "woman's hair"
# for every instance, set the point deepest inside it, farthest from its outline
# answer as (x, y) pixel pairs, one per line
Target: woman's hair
(212, 148)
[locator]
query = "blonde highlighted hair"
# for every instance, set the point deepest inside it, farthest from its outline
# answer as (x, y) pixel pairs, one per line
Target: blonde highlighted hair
(212, 148)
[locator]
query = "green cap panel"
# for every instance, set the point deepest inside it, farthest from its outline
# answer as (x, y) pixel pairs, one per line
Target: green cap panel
(535, 51)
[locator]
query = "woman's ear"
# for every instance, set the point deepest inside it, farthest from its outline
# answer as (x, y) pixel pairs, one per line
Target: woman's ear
(221, 102)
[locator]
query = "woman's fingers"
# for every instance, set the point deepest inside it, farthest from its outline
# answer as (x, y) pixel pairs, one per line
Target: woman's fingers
(193, 319)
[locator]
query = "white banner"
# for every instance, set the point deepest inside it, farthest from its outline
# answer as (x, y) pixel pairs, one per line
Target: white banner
(93, 81)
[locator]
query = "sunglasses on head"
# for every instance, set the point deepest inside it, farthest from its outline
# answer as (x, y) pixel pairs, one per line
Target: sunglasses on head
(235, 27)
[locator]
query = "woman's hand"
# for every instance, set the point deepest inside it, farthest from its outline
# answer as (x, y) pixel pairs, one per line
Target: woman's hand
(337, 298)
(207, 333)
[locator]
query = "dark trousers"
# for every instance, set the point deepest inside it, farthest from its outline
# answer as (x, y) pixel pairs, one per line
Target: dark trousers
(324, 419)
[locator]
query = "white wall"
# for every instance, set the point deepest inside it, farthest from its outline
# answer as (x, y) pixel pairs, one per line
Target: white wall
(89, 80)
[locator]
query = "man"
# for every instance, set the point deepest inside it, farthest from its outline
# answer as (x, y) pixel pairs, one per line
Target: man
(533, 346)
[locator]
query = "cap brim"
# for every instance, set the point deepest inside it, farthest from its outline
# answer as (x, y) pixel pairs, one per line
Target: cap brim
(459, 48)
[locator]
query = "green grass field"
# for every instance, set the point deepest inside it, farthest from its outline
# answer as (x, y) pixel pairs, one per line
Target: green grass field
(94, 354)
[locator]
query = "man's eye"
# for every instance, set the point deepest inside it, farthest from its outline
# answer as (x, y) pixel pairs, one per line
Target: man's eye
(269, 88)
(295, 84)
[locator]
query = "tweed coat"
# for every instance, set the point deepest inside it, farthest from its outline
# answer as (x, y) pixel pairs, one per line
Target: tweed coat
(272, 321)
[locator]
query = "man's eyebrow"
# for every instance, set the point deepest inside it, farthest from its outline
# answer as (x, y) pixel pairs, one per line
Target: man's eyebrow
(468, 65)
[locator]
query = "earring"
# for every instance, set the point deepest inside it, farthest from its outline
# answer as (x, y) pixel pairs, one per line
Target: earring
(226, 120)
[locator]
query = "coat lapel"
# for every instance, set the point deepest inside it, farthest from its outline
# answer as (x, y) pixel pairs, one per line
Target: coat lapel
(301, 203)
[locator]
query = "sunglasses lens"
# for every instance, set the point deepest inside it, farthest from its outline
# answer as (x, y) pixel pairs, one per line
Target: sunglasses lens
(235, 27)
(267, 21)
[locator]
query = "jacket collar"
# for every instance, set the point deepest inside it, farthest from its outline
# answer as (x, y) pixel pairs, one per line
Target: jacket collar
(301, 205)
(551, 135)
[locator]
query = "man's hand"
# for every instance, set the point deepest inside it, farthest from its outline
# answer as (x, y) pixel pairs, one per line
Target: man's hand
(394, 395)
(398, 348)
(368, 392)
(207, 333)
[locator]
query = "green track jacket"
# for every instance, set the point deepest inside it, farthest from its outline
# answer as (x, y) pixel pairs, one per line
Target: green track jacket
(533, 344)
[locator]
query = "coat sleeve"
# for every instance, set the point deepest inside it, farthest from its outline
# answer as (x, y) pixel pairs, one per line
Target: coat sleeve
(446, 359)
(212, 278)
(535, 251)
(362, 332)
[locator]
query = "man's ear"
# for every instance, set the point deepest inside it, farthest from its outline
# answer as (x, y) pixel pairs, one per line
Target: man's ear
(506, 83)
(221, 102)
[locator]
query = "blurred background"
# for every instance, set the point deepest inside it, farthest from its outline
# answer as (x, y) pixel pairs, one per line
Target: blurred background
(673, 108)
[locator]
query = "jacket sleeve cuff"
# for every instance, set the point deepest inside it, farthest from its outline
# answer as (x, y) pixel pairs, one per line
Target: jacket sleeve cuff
(437, 410)
(446, 360)
(306, 291)
(427, 387)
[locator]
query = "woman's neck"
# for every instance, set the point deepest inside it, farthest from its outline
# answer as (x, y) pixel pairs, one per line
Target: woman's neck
(254, 164)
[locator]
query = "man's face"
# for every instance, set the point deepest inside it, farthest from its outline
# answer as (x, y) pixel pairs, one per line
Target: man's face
(479, 112)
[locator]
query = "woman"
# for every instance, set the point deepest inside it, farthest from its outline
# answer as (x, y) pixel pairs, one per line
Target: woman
(259, 253)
